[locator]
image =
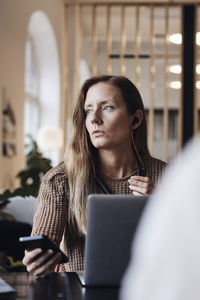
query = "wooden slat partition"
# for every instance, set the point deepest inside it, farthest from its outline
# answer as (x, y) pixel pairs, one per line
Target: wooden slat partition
(118, 62)
(94, 42)
(198, 61)
(180, 108)
(108, 42)
(152, 82)
(78, 47)
(166, 78)
(137, 48)
(122, 41)
(196, 115)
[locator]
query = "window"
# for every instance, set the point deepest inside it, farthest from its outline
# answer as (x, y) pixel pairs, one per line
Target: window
(42, 80)
(31, 104)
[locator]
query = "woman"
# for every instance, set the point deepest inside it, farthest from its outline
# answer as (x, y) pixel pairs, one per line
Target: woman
(108, 154)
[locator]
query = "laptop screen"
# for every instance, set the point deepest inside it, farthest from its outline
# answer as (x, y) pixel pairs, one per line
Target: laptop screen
(111, 224)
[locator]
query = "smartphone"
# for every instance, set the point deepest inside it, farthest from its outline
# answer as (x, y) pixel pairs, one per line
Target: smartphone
(43, 242)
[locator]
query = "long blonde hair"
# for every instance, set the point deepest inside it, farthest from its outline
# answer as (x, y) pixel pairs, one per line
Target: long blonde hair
(81, 157)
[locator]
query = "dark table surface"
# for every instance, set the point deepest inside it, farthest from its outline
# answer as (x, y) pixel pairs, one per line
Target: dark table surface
(56, 286)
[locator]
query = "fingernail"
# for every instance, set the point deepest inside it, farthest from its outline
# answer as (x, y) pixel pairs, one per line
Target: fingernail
(50, 251)
(39, 250)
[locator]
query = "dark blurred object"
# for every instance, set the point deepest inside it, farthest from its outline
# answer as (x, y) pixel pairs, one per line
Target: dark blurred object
(3, 203)
(10, 231)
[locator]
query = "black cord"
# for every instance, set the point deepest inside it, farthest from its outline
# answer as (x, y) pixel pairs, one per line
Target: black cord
(102, 186)
(140, 172)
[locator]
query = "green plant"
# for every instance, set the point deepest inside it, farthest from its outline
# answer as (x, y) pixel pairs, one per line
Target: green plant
(30, 178)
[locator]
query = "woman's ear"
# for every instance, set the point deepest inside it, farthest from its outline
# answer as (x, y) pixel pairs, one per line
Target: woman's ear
(137, 119)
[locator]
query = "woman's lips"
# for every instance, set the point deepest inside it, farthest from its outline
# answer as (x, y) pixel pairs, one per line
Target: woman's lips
(98, 132)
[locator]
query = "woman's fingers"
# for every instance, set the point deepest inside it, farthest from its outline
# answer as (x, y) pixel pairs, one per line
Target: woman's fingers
(137, 193)
(30, 256)
(140, 185)
(47, 265)
(139, 180)
(39, 263)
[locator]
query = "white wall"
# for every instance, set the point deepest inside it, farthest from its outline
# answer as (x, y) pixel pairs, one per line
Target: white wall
(14, 19)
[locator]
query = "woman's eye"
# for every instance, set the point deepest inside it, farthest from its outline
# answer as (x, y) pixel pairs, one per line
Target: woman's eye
(88, 111)
(108, 108)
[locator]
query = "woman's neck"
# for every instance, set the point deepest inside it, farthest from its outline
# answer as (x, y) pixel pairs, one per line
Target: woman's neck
(116, 164)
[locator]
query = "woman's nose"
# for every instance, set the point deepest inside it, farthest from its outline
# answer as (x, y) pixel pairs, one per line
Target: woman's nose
(96, 118)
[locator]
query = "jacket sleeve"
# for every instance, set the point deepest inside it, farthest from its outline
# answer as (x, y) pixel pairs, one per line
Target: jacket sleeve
(51, 211)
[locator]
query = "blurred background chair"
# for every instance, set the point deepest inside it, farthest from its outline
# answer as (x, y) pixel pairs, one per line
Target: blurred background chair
(16, 220)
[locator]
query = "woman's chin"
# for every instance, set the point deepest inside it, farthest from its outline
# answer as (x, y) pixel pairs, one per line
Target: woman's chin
(98, 145)
(103, 146)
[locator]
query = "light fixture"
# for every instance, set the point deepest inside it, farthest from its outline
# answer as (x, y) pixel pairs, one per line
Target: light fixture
(198, 69)
(176, 38)
(198, 85)
(198, 38)
(177, 69)
(175, 85)
(50, 138)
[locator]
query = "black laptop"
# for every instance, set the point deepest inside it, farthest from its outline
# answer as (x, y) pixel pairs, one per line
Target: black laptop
(111, 224)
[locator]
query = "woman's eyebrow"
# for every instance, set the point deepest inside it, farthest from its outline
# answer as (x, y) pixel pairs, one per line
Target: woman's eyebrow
(101, 103)
(87, 106)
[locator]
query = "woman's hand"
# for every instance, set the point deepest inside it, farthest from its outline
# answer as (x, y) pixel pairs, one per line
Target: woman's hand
(39, 263)
(140, 185)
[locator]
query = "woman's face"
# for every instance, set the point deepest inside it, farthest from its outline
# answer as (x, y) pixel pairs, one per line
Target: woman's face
(107, 120)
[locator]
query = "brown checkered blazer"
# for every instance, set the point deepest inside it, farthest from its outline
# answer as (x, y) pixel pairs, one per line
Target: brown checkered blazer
(52, 204)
